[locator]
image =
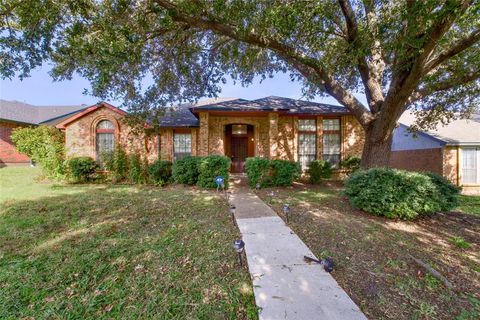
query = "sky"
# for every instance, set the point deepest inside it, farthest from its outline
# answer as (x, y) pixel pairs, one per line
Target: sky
(39, 89)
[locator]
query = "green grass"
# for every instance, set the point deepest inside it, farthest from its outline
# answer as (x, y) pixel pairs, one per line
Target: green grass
(371, 253)
(460, 242)
(470, 204)
(103, 252)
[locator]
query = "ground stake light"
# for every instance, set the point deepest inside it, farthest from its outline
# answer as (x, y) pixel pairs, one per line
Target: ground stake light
(239, 246)
(232, 213)
(327, 263)
(257, 186)
(286, 210)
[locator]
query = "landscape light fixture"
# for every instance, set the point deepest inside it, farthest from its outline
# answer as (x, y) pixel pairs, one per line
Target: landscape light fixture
(232, 213)
(286, 210)
(327, 263)
(239, 246)
(258, 186)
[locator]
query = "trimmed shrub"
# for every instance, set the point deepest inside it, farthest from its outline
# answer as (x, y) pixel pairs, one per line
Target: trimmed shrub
(258, 171)
(284, 172)
(44, 145)
(81, 168)
(160, 172)
(449, 192)
(350, 164)
(211, 167)
(398, 193)
(186, 170)
(318, 170)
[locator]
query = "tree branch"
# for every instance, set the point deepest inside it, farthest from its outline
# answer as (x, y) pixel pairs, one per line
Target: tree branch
(295, 58)
(444, 85)
(404, 82)
(454, 49)
(372, 85)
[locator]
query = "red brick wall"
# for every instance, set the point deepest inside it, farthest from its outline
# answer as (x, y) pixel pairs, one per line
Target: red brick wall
(418, 160)
(8, 154)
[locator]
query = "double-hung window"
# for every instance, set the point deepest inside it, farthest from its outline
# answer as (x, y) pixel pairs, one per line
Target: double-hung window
(331, 141)
(470, 165)
(307, 142)
(182, 145)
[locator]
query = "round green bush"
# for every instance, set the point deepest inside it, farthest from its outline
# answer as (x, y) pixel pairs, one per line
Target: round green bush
(284, 172)
(160, 172)
(258, 171)
(400, 194)
(186, 170)
(211, 167)
(81, 168)
(318, 170)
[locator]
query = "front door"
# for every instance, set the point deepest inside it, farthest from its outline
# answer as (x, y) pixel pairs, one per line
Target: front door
(239, 153)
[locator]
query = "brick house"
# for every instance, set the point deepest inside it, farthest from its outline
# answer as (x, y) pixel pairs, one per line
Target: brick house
(452, 150)
(15, 114)
(273, 127)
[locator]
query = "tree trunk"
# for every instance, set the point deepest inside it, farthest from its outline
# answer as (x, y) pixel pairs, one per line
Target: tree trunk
(377, 148)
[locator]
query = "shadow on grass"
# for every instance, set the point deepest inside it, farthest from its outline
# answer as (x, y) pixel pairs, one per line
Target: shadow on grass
(121, 251)
(372, 254)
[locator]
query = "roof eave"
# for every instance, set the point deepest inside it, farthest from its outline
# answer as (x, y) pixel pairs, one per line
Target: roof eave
(18, 122)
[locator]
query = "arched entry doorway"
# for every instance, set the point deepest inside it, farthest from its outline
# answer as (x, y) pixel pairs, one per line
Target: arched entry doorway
(239, 144)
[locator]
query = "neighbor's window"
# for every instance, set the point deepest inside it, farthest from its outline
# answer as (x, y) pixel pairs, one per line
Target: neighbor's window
(331, 141)
(105, 132)
(182, 145)
(470, 165)
(307, 142)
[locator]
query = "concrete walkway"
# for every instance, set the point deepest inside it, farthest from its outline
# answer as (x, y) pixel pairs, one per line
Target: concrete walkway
(285, 287)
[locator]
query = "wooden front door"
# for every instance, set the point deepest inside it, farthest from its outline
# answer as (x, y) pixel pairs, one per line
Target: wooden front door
(239, 153)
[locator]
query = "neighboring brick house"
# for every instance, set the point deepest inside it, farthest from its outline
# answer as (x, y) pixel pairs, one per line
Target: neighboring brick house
(451, 150)
(15, 114)
(273, 127)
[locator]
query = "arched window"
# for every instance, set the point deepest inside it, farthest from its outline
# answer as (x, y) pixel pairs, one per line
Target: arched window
(105, 132)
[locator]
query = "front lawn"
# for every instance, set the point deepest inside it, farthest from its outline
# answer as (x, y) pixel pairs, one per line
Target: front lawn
(103, 252)
(372, 253)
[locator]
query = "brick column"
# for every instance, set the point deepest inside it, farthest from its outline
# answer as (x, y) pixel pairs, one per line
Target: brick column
(273, 135)
(194, 142)
(295, 138)
(203, 134)
(319, 138)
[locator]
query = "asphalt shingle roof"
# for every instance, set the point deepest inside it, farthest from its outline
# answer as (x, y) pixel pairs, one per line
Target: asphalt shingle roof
(273, 103)
(26, 113)
(461, 131)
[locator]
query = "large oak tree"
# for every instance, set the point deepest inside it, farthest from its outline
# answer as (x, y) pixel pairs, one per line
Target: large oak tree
(418, 54)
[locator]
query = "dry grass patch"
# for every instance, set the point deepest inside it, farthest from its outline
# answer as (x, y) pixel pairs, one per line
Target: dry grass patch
(371, 254)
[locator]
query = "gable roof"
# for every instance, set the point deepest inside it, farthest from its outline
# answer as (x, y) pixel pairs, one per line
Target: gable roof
(20, 112)
(457, 132)
(273, 103)
(67, 120)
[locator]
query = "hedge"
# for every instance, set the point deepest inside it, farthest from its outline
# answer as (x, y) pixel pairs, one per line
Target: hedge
(271, 172)
(400, 194)
(258, 171)
(186, 170)
(211, 167)
(318, 170)
(284, 172)
(160, 172)
(81, 169)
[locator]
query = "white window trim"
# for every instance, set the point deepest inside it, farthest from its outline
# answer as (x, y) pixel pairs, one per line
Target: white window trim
(460, 167)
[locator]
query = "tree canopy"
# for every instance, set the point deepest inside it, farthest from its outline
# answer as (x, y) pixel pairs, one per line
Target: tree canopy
(417, 54)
